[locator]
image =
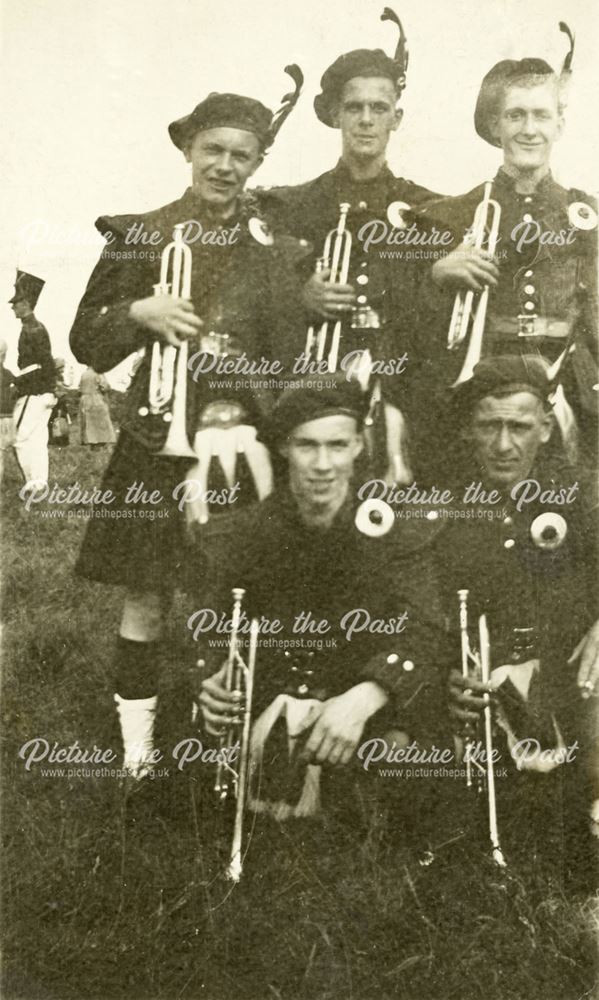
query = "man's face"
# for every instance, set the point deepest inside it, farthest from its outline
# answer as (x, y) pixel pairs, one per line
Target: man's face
(321, 455)
(367, 116)
(528, 125)
(222, 159)
(21, 308)
(507, 433)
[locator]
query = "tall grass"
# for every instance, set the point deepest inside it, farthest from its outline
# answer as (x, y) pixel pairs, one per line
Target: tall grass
(112, 897)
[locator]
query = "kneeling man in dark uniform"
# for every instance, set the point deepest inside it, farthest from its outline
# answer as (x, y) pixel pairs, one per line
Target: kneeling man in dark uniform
(349, 616)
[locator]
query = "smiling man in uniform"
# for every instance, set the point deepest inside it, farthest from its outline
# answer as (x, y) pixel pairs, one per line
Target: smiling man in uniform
(240, 295)
(542, 278)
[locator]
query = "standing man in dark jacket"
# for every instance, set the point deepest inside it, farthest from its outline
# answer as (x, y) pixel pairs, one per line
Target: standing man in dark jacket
(238, 304)
(34, 384)
(374, 302)
(542, 279)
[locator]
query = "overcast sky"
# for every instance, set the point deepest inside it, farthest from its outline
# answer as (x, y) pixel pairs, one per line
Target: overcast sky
(90, 86)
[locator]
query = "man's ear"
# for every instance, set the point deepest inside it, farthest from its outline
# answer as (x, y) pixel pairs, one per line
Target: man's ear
(283, 449)
(259, 160)
(358, 444)
(494, 126)
(397, 119)
(187, 151)
(547, 426)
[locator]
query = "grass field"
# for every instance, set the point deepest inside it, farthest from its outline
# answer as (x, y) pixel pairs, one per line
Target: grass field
(105, 898)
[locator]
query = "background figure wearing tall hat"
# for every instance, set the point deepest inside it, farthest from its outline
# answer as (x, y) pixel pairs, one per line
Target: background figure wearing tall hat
(94, 412)
(34, 383)
(359, 97)
(542, 283)
(240, 300)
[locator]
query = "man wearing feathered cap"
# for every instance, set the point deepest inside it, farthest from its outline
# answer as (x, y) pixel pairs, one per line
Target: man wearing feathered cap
(34, 384)
(542, 278)
(524, 546)
(238, 304)
(342, 662)
(359, 97)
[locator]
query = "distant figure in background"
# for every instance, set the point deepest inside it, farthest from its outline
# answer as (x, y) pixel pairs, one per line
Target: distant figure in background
(7, 427)
(34, 381)
(60, 419)
(96, 425)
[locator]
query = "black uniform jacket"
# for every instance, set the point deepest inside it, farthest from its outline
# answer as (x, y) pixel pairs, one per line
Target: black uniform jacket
(546, 298)
(382, 271)
(539, 597)
(35, 349)
(358, 585)
(245, 288)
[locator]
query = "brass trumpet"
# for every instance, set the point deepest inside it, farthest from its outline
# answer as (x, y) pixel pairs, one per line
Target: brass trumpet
(468, 315)
(167, 393)
(481, 661)
(239, 678)
(336, 255)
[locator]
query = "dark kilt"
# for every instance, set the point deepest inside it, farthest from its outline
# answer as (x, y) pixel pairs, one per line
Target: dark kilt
(140, 546)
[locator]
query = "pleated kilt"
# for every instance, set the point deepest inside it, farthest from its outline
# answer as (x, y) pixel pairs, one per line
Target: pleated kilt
(136, 545)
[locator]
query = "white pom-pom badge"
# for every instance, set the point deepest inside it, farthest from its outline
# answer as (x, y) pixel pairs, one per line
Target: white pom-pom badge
(374, 518)
(548, 530)
(260, 231)
(581, 215)
(395, 216)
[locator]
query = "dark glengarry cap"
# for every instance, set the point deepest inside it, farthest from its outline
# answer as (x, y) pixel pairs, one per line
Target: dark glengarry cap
(235, 111)
(310, 399)
(28, 287)
(499, 376)
(362, 62)
(509, 71)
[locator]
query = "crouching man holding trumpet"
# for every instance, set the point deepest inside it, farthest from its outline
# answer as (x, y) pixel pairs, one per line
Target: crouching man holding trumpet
(521, 561)
(347, 610)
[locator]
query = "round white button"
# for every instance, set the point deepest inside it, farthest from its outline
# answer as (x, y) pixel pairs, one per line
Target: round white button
(528, 274)
(363, 205)
(508, 520)
(527, 217)
(529, 305)
(529, 289)
(432, 515)
(509, 543)
(528, 199)
(408, 665)
(103, 310)
(362, 299)
(362, 279)
(364, 263)
(392, 658)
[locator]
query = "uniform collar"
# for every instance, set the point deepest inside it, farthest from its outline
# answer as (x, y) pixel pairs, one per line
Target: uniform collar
(546, 187)
(285, 503)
